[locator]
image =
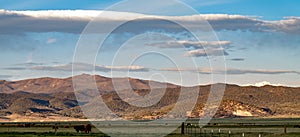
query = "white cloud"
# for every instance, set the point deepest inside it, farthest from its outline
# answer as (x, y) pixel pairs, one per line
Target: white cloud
(191, 44)
(197, 48)
(69, 21)
(74, 21)
(206, 53)
(231, 71)
(51, 40)
(89, 67)
(289, 25)
(125, 68)
(258, 71)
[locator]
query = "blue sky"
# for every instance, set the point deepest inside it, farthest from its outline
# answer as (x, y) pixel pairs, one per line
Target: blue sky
(259, 39)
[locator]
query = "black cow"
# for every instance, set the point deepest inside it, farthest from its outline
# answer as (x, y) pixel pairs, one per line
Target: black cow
(87, 128)
(79, 128)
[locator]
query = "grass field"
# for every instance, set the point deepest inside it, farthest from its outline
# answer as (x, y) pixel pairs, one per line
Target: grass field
(236, 127)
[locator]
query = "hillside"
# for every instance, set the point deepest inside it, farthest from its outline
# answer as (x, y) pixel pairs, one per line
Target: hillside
(54, 85)
(53, 99)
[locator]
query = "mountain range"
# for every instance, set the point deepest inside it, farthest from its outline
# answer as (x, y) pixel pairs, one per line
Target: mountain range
(52, 99)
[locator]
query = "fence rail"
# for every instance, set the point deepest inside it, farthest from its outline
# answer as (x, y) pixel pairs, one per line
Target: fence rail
(241, 130)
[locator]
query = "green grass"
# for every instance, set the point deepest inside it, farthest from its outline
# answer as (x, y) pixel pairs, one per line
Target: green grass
(251, 128)
(50, 134)
(28, 134)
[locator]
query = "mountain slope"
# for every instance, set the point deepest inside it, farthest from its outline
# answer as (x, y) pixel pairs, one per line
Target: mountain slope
(46, 98)
(52, 85)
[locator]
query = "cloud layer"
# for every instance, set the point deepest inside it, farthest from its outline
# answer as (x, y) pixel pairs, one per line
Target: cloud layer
(206, 53)
(74, 21)
(232, 71)
(258, 71)
(191, 44)
(237, 59)
(102, 68)
(197, 48)
(89, 67)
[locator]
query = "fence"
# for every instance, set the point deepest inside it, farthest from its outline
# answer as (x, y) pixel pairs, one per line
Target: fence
(194, 130)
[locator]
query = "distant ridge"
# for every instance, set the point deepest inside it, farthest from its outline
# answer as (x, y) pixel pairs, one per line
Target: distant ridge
(50, 85)
(53, 99)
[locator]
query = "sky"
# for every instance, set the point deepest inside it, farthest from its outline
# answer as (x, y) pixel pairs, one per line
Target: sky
(228, 41)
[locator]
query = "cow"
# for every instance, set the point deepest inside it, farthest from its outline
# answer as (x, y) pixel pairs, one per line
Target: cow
(55, 127)
(87, 128)
(79, 128)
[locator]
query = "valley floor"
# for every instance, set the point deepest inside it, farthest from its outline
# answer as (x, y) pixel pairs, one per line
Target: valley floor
(236, 127)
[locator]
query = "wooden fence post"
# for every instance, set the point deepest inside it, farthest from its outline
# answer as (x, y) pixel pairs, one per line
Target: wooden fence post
(284, 128)
(182, 128)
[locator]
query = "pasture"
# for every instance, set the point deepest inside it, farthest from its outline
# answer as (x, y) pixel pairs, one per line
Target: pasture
(236, 127)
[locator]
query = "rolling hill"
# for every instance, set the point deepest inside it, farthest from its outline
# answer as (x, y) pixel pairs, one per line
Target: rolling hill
(54, 99)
